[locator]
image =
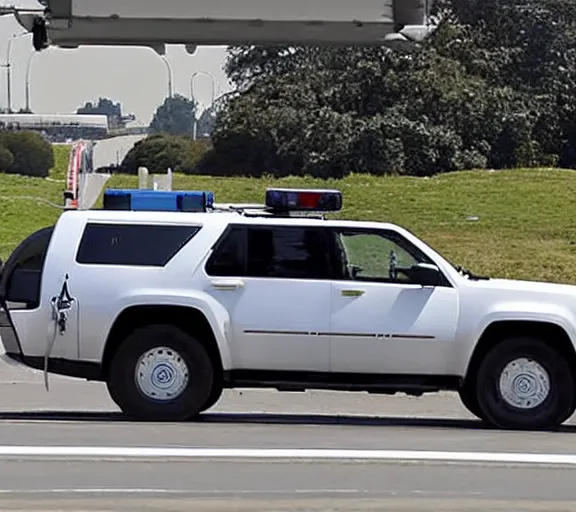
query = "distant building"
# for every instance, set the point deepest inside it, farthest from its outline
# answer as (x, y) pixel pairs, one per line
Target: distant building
(58, 127)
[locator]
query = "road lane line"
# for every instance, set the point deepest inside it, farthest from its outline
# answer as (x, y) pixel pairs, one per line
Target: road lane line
(105, 490)
(124, 452)
(229, 492)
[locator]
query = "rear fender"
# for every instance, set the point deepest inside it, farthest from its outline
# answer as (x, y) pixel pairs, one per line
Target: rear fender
(217, 316)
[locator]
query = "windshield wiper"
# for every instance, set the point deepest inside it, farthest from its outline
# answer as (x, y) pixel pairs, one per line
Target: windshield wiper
(470, 275)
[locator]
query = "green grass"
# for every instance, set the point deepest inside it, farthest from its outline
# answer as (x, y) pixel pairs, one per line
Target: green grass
(526, 227)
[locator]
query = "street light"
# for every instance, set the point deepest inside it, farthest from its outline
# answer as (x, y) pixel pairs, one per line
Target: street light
(28, 71)
(8, 66)
(213, 83)
(169, 69)
(193, 96)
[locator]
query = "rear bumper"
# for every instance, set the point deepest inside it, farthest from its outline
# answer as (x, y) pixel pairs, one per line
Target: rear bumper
(8, 334)
(14, 356)
(12, 359)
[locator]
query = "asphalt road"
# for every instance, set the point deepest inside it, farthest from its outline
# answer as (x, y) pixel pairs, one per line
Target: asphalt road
(112, 151)
(391, 468)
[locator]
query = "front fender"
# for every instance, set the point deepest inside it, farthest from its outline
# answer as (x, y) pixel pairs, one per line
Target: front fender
(522, 311)
(215, 313)
(529, 311)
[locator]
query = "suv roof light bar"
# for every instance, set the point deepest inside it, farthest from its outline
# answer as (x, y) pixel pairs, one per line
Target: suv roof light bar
(158, 200)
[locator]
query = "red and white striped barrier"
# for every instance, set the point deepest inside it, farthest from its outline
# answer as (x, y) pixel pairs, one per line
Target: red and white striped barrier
(77, 164)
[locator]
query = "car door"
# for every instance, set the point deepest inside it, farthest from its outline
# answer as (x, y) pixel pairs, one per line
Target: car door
(381, 320)
(274, 281)
(38, 315)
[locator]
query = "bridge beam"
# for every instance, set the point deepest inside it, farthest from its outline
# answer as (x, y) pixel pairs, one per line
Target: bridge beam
(72, 23)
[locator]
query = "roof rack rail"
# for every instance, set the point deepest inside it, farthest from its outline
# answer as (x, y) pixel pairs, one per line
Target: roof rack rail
(238, 206)
(261, 210)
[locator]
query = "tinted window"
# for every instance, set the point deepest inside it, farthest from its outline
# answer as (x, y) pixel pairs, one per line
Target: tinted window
(228, 256)
(287, 252)
(126, 244)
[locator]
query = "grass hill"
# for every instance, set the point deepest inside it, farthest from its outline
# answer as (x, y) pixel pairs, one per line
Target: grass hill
(526, 225)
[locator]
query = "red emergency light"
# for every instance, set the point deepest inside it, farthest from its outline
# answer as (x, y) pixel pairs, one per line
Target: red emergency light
(311, 200)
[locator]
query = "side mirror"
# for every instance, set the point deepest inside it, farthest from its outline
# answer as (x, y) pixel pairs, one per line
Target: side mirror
(426, 274)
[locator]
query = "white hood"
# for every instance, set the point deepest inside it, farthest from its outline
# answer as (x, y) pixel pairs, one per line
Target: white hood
(525, 286)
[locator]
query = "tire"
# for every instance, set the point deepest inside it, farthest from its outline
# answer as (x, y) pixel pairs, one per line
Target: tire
(570, 411)
(523, 401)
(469, 400)
(174, 380)
(213, 398)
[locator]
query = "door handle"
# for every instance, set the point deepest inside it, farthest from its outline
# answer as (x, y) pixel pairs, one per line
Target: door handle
(352, 293)
(232, 284)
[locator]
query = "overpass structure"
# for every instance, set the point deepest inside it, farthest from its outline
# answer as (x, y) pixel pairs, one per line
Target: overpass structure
(51, 121)
(58, 127)
(155, 23)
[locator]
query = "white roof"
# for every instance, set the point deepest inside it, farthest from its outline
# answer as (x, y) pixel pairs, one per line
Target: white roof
(215, 218)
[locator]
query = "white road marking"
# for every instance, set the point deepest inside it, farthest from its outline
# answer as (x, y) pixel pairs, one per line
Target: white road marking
(228, 492)
(183, 491)
(99, 452)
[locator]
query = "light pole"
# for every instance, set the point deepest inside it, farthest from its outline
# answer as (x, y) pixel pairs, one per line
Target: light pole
(169, 69)
(212, 80)
(193, 96)
(8, 66)
(28, 71)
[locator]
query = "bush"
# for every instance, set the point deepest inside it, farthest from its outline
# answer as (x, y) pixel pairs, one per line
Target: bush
(159, 152)
(470, 159)
(6, 159)
(31, 154)
(240, 154)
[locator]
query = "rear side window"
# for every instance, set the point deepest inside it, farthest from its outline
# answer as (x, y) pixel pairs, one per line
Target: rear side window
(132, 244)
(277, 252)
(287, 253)
(228, 257)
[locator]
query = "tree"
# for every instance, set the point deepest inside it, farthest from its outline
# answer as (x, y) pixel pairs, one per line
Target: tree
(162, 151)
(6, 159)
(206, 123)
(492, 87)
(175, 116)
(31, 154)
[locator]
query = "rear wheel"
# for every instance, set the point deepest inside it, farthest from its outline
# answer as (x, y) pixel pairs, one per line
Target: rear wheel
(213, 398)
(523, 383)
(161, 373)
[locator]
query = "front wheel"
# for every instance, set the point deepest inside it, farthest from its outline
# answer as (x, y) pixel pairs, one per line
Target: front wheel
(523, 383)
(161, 373)
(469, 400)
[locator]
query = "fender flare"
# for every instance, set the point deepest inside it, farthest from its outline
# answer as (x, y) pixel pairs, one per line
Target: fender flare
(557, 317)
(215, 313)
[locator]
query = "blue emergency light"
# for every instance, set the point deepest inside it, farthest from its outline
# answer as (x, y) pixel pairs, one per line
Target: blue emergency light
(304, 200)
(158, 200)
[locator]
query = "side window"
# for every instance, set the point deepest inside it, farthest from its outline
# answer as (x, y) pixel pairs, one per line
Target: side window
(287, 252)
(377, 256)
(152, 245)
(228, 257)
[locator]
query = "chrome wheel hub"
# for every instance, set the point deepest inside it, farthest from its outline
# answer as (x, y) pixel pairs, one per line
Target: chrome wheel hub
(161, 374)
(524, 384)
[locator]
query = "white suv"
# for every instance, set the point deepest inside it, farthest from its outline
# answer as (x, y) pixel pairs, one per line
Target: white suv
(171, 307)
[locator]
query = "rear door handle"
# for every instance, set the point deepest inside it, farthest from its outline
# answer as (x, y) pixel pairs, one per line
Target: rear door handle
(230, 284)
(352, 293)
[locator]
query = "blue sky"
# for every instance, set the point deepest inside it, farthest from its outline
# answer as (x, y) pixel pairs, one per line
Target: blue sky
(61, 80)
